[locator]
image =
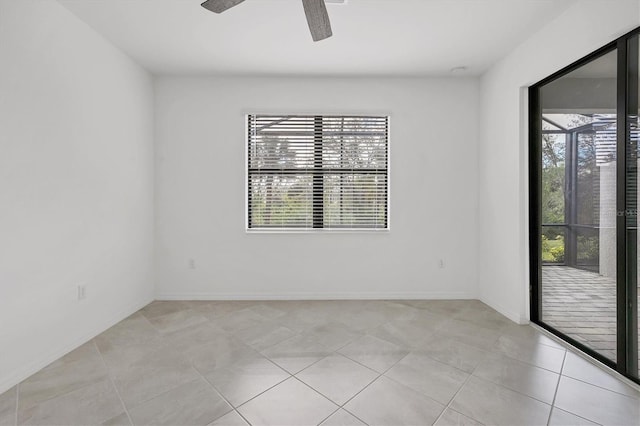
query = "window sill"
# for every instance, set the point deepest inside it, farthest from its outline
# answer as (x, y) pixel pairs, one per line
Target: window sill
(317, 231)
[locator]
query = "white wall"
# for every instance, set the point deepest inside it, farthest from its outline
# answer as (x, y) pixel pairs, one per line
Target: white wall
(502, 183)
(76, 185)
(200, 180)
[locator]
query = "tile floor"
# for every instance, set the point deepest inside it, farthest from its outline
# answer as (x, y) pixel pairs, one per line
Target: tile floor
(314, 362)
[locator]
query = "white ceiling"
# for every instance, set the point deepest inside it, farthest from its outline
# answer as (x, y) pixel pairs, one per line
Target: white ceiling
(271, 37)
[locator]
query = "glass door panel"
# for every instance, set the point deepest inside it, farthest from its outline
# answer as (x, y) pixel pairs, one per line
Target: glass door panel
(578, 211)
(632, 196)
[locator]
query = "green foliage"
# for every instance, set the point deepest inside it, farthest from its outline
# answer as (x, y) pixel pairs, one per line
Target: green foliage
(587, 178)
(553, 249)
(348, 198)
(553, 195)
(557, 253)
(553, 176)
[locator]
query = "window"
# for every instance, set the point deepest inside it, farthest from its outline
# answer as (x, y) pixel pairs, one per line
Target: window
(312, 172)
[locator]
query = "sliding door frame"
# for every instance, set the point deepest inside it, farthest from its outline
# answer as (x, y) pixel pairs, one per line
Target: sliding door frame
(626, 236)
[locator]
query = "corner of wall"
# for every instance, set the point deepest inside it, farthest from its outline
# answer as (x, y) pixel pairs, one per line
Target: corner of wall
(77, 182)
(503, 163)
(90, 331)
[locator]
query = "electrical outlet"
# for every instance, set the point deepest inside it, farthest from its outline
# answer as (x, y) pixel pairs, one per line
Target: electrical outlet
(82, 292)
(192, 264)
(441, 263)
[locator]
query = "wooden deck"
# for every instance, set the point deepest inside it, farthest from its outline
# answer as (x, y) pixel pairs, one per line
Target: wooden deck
(581, 304)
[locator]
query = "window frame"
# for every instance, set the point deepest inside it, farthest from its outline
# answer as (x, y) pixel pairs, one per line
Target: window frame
(306, 230)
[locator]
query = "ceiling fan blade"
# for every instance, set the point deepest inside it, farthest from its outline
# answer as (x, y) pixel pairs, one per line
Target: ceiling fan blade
(318, 19)
(219, 6)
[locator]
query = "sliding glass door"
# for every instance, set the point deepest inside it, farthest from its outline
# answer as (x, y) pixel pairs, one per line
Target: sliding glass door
(631, 199)
(583, 204)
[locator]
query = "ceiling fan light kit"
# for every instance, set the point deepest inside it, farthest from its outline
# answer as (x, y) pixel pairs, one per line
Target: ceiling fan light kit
(315, 11)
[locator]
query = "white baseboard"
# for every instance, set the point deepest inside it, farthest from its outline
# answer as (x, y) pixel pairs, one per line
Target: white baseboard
(318, 296)
(65, 347)
(514, 316)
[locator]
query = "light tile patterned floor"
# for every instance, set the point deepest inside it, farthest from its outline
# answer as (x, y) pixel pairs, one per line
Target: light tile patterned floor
(581, 304)
(313, 362)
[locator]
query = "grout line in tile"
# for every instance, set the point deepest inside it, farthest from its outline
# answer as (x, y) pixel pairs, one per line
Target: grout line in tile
(307, 367)
(327, 418)
(457, 392)
(17, 403)
(458, 339)
(350, 342)
(241, 416)
(233, 408)
(253, 397)
(318, 392)
(555, 394)
(160, 394)
(296, 334)
(577, 415)
(360, 391)
(86, 385)
(636, 398)
(448, 406)
(422, 352)
(440, 415)
(369, 384)
(422, 394)
(529, 363)
(378, 375)
(456, 411)
(511, 390)
(342, 408)
(276, 364)
(115, 388)
(432, 359)
(515, 390)
(568, 348)
(375, 371)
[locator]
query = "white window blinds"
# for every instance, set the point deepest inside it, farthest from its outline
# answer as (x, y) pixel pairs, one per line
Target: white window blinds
(317, 172)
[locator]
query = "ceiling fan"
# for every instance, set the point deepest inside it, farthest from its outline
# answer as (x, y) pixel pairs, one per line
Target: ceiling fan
(315, 10)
